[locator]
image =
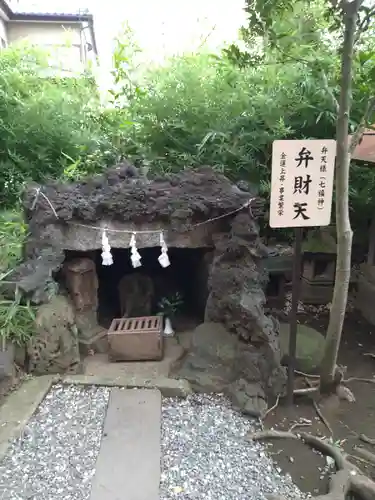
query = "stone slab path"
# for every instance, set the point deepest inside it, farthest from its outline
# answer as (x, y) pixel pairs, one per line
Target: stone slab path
(128, 465)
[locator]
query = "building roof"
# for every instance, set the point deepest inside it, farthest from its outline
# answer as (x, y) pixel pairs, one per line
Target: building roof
(42, 10)
(63, 11)
(365, 151)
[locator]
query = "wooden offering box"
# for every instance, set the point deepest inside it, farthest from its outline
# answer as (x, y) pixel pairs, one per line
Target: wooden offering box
(136, 339)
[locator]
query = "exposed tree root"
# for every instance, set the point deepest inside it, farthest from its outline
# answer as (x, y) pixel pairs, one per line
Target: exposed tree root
(307, 375)
(341, 391)
(366, 439)
(272, 407)
(347, 478)
(306, 390)
(358, 459)
(322, 417)
(299, 424)
(319, 411)
(314, 386)
(359, 379)
(365, 454)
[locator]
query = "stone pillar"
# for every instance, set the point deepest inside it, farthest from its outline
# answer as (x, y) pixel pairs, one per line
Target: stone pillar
(82, 283)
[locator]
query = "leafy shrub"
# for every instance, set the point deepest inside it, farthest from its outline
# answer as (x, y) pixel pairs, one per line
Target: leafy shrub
(13, 232)
(202, 110)
(17, 316)
(226, 111)
(45, 122)
(17, 321)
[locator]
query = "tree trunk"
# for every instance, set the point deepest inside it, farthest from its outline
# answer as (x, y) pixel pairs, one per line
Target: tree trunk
(344, 231)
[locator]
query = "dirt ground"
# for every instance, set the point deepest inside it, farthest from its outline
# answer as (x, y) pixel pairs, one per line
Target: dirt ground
(347, 420)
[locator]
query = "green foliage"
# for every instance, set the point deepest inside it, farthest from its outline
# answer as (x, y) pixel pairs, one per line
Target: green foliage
(17, 316)
(126, 86)
(196, 109)
(310, 33)
(226, 111)
(13, 232)
(201, 109)
(45, 121)
(17, 321)
(170, 305)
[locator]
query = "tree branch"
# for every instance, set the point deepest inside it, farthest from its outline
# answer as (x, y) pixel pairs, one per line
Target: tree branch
(329, 91)
(365, 23)
(322, 74)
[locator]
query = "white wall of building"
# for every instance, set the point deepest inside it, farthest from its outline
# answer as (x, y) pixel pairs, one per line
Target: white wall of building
(3, 32)
(42, 33)
(66, 42)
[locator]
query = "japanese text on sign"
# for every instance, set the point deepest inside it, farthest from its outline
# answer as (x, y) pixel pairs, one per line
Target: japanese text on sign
(302, 183)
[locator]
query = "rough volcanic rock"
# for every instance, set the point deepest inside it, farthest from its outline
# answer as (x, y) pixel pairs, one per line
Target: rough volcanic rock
(54, 348)
(218, 361)
(175, 201)
(34, 277)
(179, 199)
(238, 271)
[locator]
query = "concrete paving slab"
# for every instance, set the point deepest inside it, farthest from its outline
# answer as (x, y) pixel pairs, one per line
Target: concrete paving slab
(99, 365)
(169, 387)
(128, 465)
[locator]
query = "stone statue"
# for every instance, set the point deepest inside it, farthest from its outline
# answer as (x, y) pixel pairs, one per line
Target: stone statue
(136, 292)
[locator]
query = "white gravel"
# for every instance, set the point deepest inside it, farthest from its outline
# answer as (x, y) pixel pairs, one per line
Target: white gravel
(204, 455)
(55, 458)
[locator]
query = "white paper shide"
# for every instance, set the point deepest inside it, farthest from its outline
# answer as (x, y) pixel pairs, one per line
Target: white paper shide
(107, 259)
(302, 183)
(135, 256)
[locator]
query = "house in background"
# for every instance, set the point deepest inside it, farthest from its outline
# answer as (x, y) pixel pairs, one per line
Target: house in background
(69, 37)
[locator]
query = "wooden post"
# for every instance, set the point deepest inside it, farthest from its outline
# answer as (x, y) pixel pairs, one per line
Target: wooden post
(296, 285)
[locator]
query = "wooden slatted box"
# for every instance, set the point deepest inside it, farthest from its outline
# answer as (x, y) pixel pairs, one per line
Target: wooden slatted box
(136, 339)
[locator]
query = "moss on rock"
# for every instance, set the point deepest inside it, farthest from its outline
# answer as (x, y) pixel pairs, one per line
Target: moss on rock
(310, 347)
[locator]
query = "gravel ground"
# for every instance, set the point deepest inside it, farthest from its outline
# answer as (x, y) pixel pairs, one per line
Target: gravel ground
(204, 454)
(55, 457)
(206, 457)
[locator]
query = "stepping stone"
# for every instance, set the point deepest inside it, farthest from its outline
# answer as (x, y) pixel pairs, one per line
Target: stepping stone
(128, 465)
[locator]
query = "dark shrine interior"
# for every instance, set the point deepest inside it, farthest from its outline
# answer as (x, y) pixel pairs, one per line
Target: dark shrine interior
(183, 276)
(273, 286)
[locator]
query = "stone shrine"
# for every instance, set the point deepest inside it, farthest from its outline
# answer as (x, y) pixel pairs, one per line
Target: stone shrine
(208, 226)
